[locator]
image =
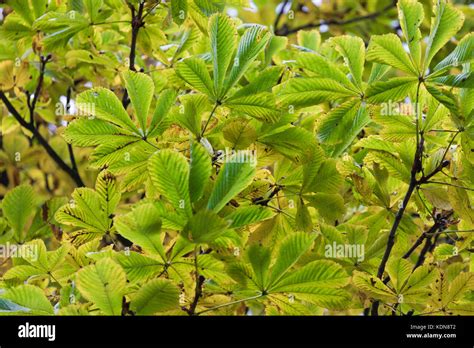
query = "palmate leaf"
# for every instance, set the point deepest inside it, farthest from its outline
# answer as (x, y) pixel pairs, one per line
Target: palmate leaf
(94, 132)
(92, 211)
(313, 276)
(140, 89)
(373, 286)
(200, 169)
(158, 295)
(329, 205)
(169, 172)
(394, 89)
(194, 71)
(387, 49)
(39, 262)
(19, 206)
(142, 226)
(103, 284)
(223, 34)
(113, 133)
(321, 66)
(352, 49)
(301, 92)
(204, 227)
(410, 14)
(463, 53)
(232, 179)
(31, 300)
(163, 106)
(139, 267)
(250, 45)
(244, 216)
(259, 258)
(291, 249)
(60, 27)
(260, 106)
(445, 24)
(104, 104)
(399, 271)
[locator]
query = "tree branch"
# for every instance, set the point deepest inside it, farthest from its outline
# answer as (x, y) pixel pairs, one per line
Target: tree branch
(69, 146)
(137, 23)
(43, 142)
(199, 283)
(287, 31)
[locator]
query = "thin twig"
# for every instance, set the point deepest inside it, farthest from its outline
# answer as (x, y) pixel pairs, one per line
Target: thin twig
(209, 119)
(43, 142)
(286, 31)
(137, 22)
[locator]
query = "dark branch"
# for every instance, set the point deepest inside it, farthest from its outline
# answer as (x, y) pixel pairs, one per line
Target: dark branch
(43, 142)
(287, 31)
(137, 23)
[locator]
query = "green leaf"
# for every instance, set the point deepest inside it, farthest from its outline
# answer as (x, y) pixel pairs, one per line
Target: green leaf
(193, 70)
(410, 14)
(105, 105)
(103, 284)
(142, 226)
(322, 67)
(169, 172)
(179, 10)
(251, 44)
(140, 88)
(204, 227)
(163, 106)
(158, 295)
(388, 49)
(463, 283)
(303, 217)
(291, 249)
(393, 90)
(260, 258)
(373, 286)
(92, 132)
(223, 34)
(316, 274)
(445, 24)
(352, 50)
(199, 171)
(139, 267)
(309, 39)
(107, 188)
(329, 205)
(60, 28)
(301, 92)
(232, 179)
(399, 271)
(244, 216)
(420, 280)
(463, 53)
(18, 207)
(260, 106)
(31, 298)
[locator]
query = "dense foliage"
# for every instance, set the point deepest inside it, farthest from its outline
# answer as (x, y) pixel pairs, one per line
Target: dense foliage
(176, 158)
